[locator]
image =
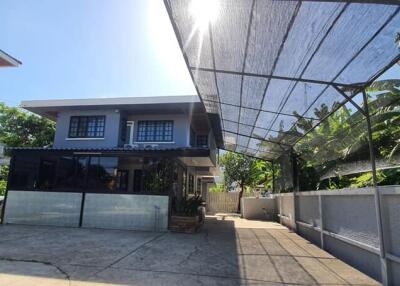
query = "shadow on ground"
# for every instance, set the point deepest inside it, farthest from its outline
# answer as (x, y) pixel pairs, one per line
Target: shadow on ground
(228, 251)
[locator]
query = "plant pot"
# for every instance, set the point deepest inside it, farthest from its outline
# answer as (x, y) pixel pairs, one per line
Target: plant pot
(185, 224)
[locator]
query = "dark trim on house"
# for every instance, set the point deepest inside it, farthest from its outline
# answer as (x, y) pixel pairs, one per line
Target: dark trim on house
(140, 152)
(86, 191)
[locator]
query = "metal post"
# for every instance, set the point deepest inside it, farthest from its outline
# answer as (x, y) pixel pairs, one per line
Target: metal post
(273, 191)
(382, 252)
(273, 177)
(82, 209)
(321, 216)
(295, 188)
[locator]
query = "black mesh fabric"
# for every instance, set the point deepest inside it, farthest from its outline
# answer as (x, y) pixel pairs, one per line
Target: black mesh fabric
(272, 70)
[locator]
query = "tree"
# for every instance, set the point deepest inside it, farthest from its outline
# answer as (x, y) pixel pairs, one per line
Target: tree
(343, 138)
(242, 170)
(3, 179)
(23, 129)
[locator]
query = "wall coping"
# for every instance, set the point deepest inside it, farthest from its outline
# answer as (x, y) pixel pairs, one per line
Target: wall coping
(368, 191)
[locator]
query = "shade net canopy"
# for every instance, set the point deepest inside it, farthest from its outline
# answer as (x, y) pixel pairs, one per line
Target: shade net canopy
(272, 70)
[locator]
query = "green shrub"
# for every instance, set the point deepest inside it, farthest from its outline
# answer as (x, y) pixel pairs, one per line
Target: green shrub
(3, 185)
(190, 206)
(218, 188)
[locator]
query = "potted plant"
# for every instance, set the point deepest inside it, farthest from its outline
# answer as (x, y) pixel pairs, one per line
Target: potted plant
(190, 214)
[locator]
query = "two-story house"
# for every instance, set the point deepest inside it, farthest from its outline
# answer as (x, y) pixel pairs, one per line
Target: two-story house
(115, 162)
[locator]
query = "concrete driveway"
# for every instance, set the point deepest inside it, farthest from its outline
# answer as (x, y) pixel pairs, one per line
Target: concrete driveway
(230, 252)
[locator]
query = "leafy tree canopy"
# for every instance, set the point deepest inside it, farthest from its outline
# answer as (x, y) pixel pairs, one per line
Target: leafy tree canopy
(242, 170)
(23, 129)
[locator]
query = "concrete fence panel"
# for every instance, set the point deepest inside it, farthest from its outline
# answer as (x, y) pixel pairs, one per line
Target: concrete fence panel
(285, 206)
(135, 212)
(391, 218)
(344, 223)
(352, 215)
(308, 210)
(258, 208)
(43, 208)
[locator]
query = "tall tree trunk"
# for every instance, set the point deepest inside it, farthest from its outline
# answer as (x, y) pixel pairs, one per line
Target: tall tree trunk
(240, 197)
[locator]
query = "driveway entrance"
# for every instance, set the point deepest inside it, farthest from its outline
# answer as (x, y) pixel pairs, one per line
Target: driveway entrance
(228, 251)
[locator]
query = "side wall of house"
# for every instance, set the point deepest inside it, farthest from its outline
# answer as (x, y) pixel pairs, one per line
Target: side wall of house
(111, 132)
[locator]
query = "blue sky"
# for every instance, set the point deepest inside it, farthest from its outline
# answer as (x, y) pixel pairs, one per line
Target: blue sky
(91, 48)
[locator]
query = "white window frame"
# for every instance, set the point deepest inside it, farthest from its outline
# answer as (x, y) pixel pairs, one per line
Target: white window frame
(131, 124)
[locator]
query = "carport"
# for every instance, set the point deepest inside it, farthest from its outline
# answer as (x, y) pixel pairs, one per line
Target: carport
(271, 74)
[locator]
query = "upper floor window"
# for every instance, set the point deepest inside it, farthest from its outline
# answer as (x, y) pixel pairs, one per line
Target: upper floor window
(202, 140)
(155, 131)
(87, 127)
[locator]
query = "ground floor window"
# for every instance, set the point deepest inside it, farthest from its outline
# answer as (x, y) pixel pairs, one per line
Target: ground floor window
(122, 180)
(94, 173)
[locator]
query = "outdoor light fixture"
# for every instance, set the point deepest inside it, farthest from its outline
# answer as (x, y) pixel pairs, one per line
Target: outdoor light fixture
(205, 12)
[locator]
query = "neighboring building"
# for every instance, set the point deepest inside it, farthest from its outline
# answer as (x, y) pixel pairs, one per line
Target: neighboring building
(8, 61)
(115, 163)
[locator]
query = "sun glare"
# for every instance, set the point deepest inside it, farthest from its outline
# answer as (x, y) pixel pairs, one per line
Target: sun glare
(204, 12)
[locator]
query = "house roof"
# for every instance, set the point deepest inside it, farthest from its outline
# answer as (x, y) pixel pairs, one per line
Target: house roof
(8, 61)
(50, 108)
(261, 66)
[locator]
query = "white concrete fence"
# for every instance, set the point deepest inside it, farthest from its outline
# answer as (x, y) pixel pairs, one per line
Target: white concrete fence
(92, 210)
(344, 223)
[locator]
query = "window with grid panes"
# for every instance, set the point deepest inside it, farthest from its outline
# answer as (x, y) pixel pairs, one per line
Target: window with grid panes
(86, 127)
(202, 140)
(155, 131)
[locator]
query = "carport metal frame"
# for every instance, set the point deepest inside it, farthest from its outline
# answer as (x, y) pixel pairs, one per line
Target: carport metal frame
(355, 89)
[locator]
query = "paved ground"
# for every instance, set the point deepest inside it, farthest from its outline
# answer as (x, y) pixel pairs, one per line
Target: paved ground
(227, 252)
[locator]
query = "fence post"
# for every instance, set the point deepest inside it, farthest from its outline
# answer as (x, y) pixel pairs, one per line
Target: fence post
(295, 188)
(321, 216)
(280, 208)
(377, 200)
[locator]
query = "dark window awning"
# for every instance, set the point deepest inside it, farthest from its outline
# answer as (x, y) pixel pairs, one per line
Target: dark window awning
(264, 66)
(141, 152)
